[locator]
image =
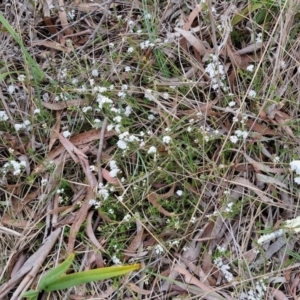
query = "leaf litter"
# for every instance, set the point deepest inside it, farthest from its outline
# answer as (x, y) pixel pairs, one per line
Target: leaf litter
(218, 208)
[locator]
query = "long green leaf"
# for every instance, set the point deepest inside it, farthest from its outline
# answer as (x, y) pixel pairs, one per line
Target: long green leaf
(37, 72)
(55, 274)
(70, 280)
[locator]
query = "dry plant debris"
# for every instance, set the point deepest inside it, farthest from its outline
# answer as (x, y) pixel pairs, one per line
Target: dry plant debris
(160, 132)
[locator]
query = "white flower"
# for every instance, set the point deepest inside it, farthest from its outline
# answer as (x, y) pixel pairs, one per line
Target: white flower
(250, 68)
(295, 166)
(122, 145)
(282, 64)
(130, 50)
(151, 150)
(36, 111)
(19, 126)
(167, 139)
(11, 89)
(193, 220)
(66, 133)
(127, 218)
(3, 116)
(85, 109)
(111, 87)
(128, 111)
(235, 119)
(234, 139)
(117, 119)
(179, 193)
(165, 96)
(111, 45)
(240, 133)
(115, 260)
(127, 69)
(252, 93)
(124, 87)
(122, 94)
(104, 193)
(95, 73)
(148, 94)
(102, 100)
(44, 181)
(158, 249)
(297, 180)
(259, 38)
(231, 103)
(276, 159)
(21, 78)
(151, 117)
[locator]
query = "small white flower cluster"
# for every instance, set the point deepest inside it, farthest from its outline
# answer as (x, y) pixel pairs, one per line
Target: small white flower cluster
(11, 89)
(252, 94)
(224, 268)
(25, 125)
(127, 218)
(216, 73)
(257, 294)
(114, 170)
(228, 207)
(14, 166)
(250, 68)
(103, 191)
(174, 243)
(166, 139)
(125, 138)
(259, 38)
(158, 249)
(95, 203)
(238, 134)
(66, 134)
(152, 150)
(115, 260)
(146, 44)
(3, 116)
(295, 166)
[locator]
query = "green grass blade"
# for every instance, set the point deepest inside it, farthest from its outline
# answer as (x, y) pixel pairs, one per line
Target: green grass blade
(36, 71)
(75, 279)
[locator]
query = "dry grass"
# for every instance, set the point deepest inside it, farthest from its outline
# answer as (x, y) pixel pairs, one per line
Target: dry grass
(192, 212)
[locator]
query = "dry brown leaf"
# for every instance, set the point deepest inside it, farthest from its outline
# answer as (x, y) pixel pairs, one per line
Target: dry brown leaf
(280, 120)
(263, 130)
(90, 233)
(71, 148)
(270, 180)
(64, 104)
(136, 242)
(278, 295)
(79, 139)
(259, 166)
(108, 178)
(51, 45)
(64, 19)
(137, 289)
(154, 196)
(53, 136)
(246, 183)
(195, 42)
(31, 267)
(208, 292)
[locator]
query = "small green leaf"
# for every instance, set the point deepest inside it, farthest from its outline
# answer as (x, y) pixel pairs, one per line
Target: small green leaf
(31, 295)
